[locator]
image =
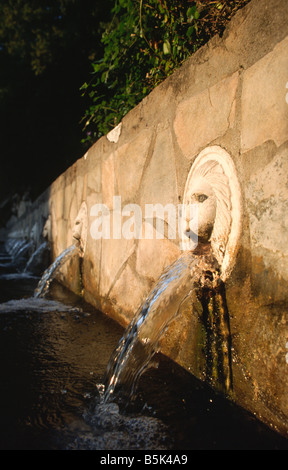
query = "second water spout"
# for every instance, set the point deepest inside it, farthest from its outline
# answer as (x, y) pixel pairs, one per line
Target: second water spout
(50, 272)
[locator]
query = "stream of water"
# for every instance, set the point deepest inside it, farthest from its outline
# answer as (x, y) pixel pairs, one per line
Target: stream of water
(49, 274)
(141, 339)
(54, 353)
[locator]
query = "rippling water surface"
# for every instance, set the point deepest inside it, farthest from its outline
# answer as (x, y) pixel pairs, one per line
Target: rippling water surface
(53, 356)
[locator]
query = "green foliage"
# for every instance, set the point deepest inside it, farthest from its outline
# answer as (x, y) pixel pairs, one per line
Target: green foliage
(39, 34)
(144, 43)
(28, 30)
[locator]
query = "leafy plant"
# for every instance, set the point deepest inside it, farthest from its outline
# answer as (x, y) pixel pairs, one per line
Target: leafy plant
(143, 44)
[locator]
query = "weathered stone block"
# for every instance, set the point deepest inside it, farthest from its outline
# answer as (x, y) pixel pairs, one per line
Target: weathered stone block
(159, 180)
(267, 204)
(202, 118)
(93, 175)
(264, 107)
(130, 159)
(108, 181)
(128, 292)
(152, 256)
(114, 254)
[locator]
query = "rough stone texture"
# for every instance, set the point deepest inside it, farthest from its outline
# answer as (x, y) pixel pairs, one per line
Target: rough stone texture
(108, 181)
(114, 254)
(264, 90)
(164, 251)
(266, 197)
(231, 93)
(127, 291)
(159, 181)
(206, 116)
(130, 159)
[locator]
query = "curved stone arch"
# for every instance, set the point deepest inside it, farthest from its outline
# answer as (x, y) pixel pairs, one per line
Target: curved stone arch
(214, 168)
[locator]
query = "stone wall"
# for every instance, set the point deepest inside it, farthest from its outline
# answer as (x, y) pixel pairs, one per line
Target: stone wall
(231, 93)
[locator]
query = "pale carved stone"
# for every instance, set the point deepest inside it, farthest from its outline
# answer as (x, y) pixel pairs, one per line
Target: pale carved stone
(212, 185)
(80, 228)
(47, 229)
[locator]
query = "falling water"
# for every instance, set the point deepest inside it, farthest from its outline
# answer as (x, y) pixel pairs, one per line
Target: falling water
(50, 272)
(35, 261)
(141, 339)
(16, 254)
(52, 362)
(15, 246)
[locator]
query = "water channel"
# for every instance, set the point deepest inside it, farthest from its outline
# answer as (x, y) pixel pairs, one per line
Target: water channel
(54, 352)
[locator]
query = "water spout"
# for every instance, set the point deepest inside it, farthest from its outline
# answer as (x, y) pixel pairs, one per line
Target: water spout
(80, 228)
(50, 273)
(79, 235)
(141, 339)
(212, 184)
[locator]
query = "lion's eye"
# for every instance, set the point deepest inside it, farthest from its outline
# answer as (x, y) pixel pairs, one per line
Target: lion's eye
(201, 197)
